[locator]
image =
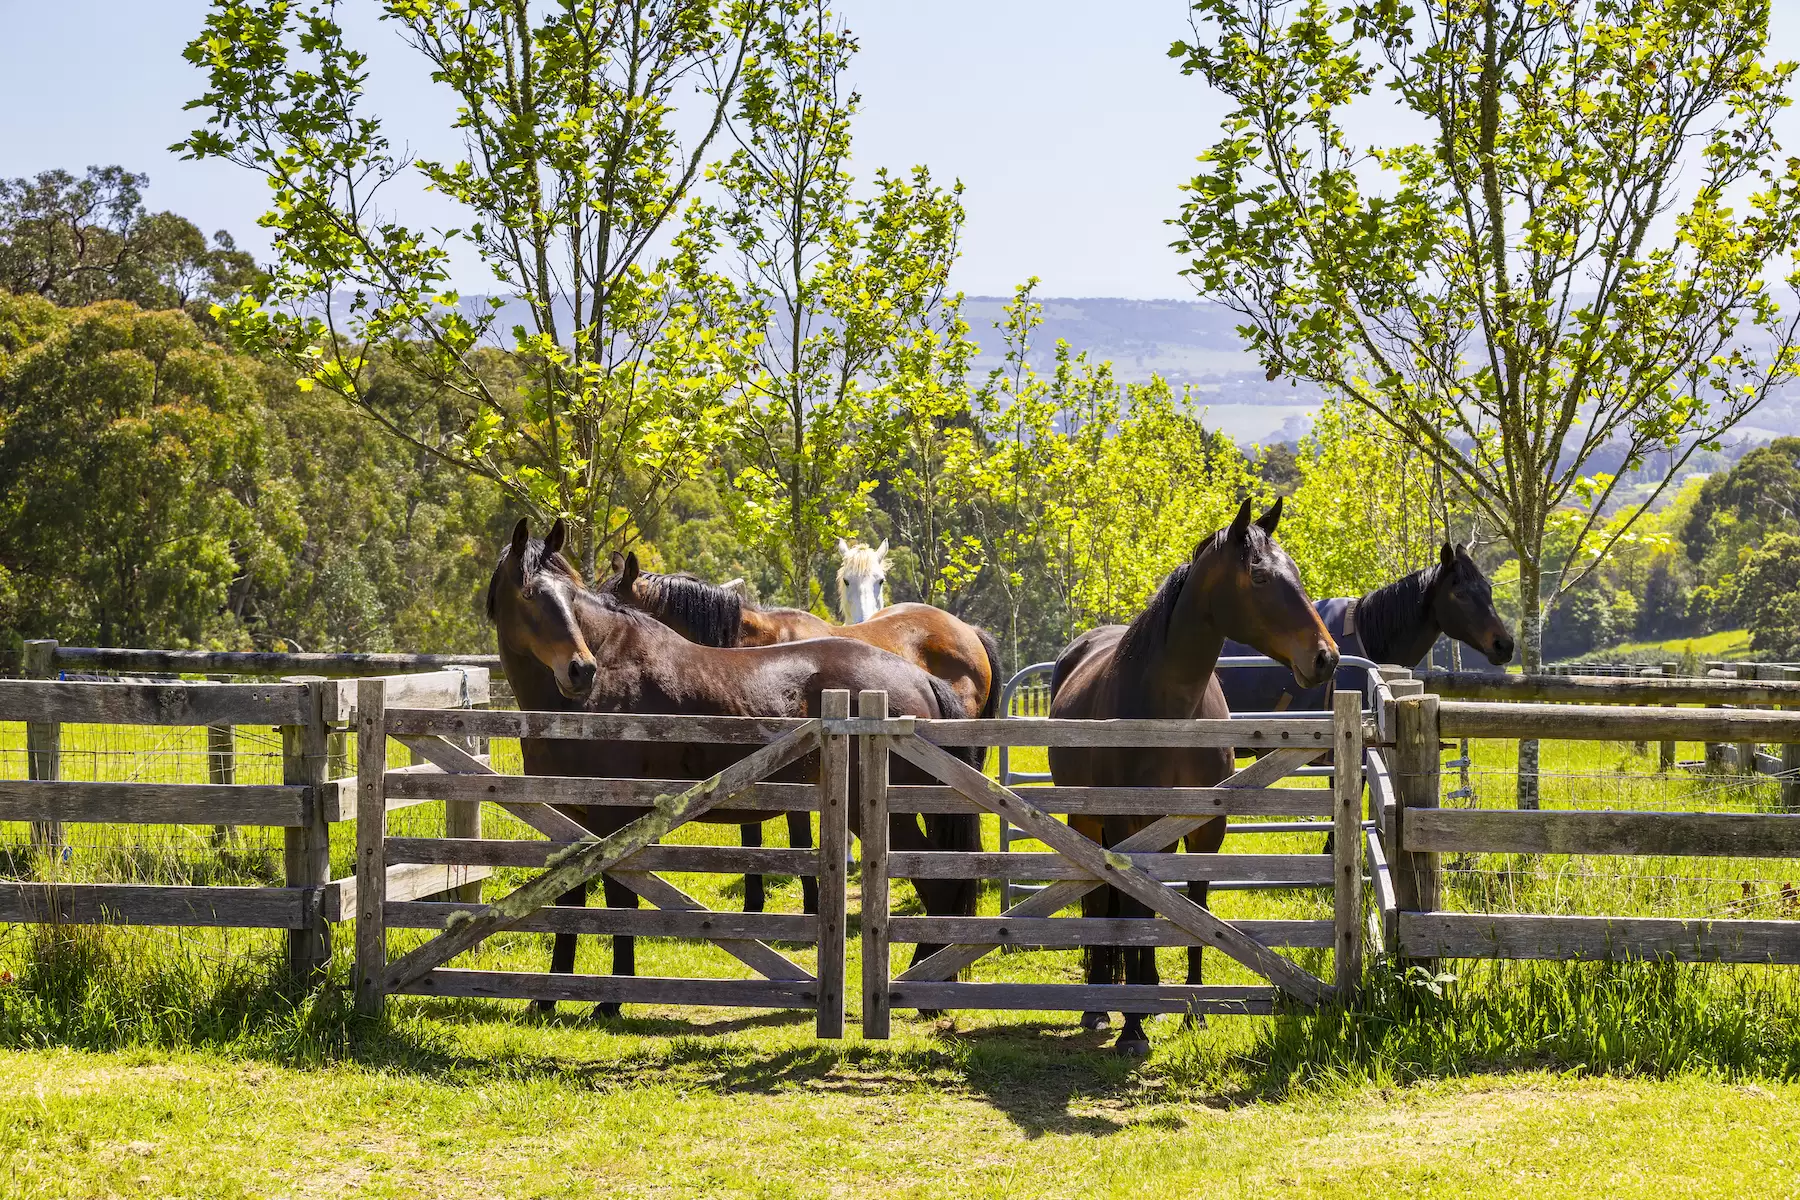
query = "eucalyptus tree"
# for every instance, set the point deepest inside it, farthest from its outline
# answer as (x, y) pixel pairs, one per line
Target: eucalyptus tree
(586, 126)
(837, 281)
(1574, 258)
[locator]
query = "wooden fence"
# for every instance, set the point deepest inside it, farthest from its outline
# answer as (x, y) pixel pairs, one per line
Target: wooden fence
(311, 716)
(1415, 831)
(1139, 866)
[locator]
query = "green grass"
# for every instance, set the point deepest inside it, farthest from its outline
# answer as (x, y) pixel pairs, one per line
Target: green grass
(161, 1062)
(1726, 645)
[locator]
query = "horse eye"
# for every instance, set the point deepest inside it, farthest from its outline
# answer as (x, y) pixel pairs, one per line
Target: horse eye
(1259, 575)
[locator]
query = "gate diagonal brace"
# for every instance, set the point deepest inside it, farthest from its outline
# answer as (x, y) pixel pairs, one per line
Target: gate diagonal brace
(1163, 832)
(591, 857)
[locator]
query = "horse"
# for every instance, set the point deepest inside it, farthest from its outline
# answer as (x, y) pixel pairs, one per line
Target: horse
(1238, 583)
(861, 577)
(962, 655)
(564, 648)
(1396, 623)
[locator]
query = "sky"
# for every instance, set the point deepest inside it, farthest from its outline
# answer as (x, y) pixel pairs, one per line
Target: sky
(1066, 121)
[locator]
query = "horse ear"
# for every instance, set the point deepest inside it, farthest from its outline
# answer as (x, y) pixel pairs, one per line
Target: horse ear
(1240, 524)
(882, 550)
(1447, 556)
(618, 562)
(628, 570)
(843, 547)
(520, 539)
(553, 541)
(1269, 520)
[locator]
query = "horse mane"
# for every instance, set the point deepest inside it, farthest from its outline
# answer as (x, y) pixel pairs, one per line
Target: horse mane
(858, 559)
(535, 561)
(1143, 639)
(713, 615)
(1392, 611)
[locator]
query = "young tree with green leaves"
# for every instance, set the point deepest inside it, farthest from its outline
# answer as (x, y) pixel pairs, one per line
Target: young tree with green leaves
(836, 282)
(1576, 258)
(586, 125)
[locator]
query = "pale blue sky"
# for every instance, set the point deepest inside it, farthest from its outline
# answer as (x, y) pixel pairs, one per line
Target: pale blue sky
(1067, 123)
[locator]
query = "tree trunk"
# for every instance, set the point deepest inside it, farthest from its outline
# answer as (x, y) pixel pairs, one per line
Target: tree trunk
(1531, 659)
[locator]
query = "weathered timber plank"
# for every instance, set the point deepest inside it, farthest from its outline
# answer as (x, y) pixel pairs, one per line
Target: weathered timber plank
(339, 795)
(514, 852)
(1083, 997)
(636, 989)
(577, 789)
(1095, 931)
(1504, 831)
(1129, 801)
(1481, 935)
(873, 798)
(1593, 722)
(1157, 836)
(456, 688)
(152, 803)
(754, 954)
(157, 904)
(306, 847)
(1012, 731)
(242, 662)
(1116, 869)
(834, 848)
(405, 881)
(1598, 689)
(369, 984)
(637, 922)
(1347, 785)
(152, 703)
(1165, 868)
(628, 727)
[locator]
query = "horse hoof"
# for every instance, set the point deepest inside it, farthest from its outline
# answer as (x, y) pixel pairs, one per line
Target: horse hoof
(610, 1010)
(1138, 1047)
(1194, 1021)
(930, 1014)
(1095, 1020)
(544, 1008)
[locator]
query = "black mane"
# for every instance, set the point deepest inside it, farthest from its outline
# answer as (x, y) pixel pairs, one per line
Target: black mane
(1143, 639)
(1394, 612)
(713, 616)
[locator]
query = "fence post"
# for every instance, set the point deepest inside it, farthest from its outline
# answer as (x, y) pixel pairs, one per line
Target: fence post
(1790, 757)
(1666, 759)
(43, 747)
(1417, 879)
(1347, 842)
(1746, 751)
(221, 763)
(371, 846)
(462, 819)
(872, 768)
(307, 848)
(834, 843)
(1398, 689)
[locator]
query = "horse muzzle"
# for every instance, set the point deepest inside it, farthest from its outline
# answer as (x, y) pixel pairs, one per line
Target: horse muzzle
(576, 679)
(1319, 670)
(1500, 651)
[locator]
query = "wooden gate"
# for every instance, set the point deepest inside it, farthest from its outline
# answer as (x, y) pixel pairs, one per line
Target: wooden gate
(572, 857)
(1137, 866)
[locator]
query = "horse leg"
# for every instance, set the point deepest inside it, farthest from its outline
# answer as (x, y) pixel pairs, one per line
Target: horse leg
(1140, 967)
(751, 835)
(939, 897)
(1102, 962)
(624, 960)
(562, 946)
(800, 838)
(1195, 1020)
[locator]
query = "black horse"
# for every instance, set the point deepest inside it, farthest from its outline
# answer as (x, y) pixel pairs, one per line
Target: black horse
(1397, 623)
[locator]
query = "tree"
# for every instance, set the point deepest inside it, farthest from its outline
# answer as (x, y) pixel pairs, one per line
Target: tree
(78, 241)
(1505, 295)
(836, 283)
(575, 172)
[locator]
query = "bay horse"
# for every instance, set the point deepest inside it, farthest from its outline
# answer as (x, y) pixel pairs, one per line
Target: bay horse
(567, 649)
(964, 656)
(1239, 584)
(1396, 623)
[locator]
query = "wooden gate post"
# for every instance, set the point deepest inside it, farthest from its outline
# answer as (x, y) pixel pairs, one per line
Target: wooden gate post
(371, 846)
(1746, 751)
(43, 748)
(834, 846)
(872, 767)
(306, 849)
(1417, 879)
(1790, 757)
(221, 763)
(1347, 841)
(1388, 823)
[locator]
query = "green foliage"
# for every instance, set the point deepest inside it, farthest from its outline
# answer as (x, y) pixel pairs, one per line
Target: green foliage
(1503, 295)
(1768, 596)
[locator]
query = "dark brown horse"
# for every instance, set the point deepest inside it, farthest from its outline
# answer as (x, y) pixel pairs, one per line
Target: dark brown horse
(963, 655)
(567, 649)
(1239, 584)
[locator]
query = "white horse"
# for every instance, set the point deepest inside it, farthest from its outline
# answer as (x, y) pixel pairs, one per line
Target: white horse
(861, 578)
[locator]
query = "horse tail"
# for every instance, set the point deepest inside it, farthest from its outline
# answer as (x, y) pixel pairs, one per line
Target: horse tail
(990, 707)
(956, 831)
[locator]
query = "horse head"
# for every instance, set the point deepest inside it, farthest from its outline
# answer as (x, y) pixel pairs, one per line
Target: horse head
(531, 600)
(1462, 600)
(1257, 598)
(861, 576)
